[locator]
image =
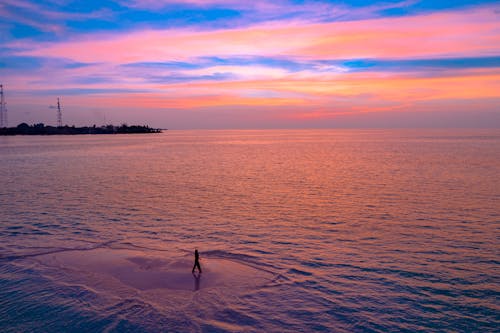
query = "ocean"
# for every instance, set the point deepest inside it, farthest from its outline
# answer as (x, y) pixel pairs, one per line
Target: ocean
(298, 231)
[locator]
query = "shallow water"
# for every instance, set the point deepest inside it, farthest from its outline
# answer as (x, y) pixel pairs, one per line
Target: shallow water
(332, 230)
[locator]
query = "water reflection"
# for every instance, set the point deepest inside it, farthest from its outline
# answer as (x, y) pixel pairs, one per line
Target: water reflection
(400, 227)
(197, 278)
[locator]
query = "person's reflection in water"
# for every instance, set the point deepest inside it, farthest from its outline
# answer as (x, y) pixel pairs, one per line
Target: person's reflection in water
(196, 261)
(197, 278)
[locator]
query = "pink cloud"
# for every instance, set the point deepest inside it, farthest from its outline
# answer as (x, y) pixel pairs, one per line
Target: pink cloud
(312, 94)
(462, 33)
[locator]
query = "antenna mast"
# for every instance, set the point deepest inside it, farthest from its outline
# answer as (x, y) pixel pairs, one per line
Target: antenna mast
(3, 108)
(59, 114)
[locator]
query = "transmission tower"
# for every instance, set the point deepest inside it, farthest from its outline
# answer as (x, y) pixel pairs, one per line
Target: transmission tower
(59, 114)
(3, 108)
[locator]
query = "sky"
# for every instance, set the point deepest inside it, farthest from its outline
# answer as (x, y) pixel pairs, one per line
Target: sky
(187, 64)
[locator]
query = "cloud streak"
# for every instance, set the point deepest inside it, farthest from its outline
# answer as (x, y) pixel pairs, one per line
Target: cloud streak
(471, 33)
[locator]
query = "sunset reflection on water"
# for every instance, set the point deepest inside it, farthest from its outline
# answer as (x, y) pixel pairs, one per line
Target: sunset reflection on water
(358, 229)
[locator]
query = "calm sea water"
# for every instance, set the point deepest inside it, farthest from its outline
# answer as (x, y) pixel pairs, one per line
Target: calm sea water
(343, 231)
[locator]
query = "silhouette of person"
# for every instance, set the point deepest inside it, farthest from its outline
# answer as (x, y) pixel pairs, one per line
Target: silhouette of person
(196, 261)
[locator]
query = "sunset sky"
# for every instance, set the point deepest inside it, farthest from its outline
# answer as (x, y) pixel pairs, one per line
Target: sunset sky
(252, 64)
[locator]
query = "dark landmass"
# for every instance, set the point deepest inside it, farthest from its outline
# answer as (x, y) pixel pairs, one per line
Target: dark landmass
(41, 129)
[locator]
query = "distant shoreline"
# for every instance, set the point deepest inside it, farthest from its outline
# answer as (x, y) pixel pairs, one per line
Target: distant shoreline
(41, 129)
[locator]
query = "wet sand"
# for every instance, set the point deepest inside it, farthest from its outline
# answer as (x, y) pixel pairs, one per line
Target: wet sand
(146, 271)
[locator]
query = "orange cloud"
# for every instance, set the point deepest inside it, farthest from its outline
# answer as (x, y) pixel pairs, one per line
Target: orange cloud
(462, 84)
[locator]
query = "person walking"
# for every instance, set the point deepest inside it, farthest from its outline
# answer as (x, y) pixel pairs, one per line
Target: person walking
(196, 261)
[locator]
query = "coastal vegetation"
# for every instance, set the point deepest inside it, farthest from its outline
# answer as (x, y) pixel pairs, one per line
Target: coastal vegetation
(41, 129)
